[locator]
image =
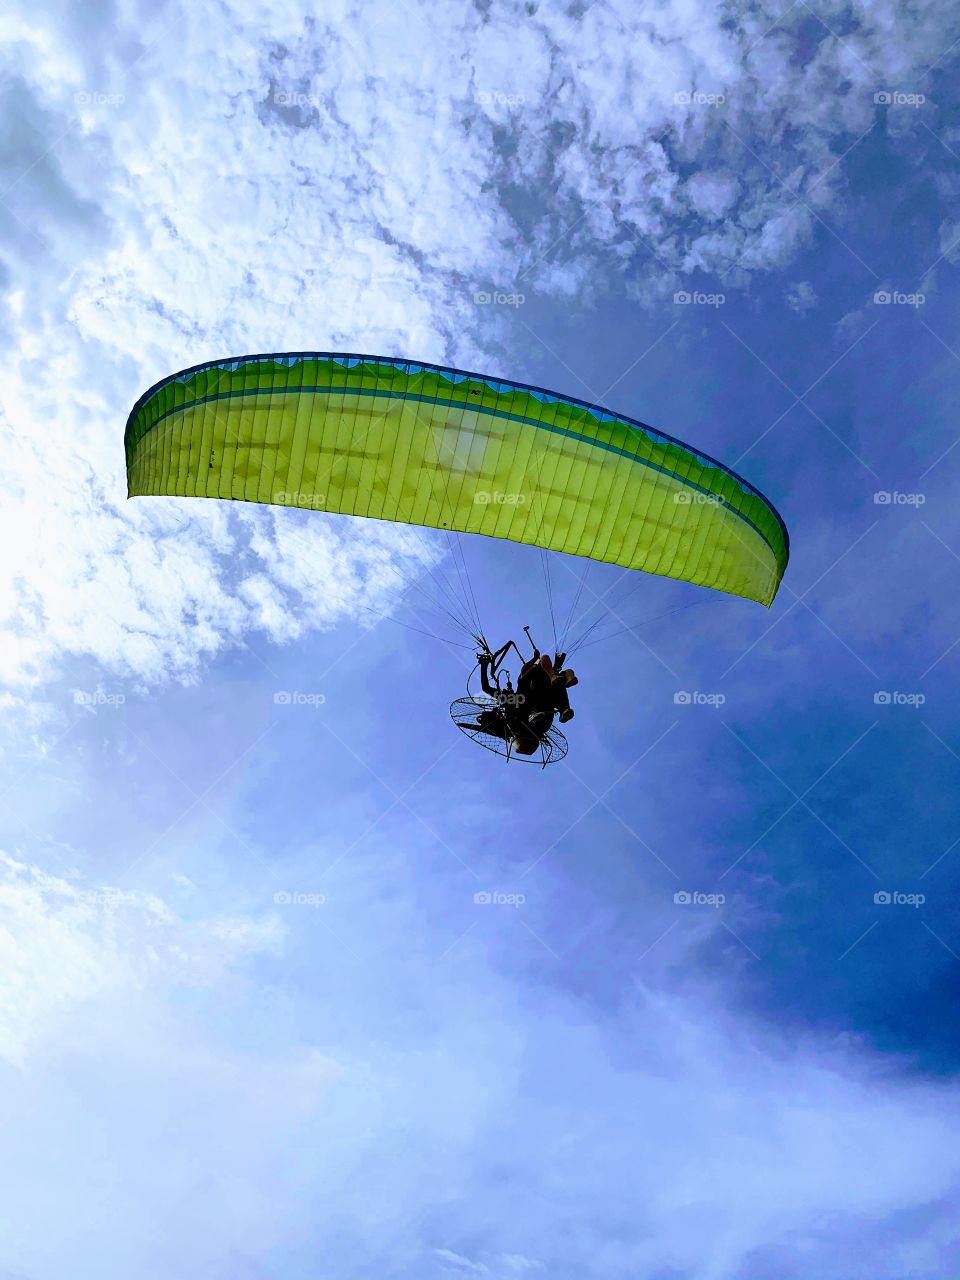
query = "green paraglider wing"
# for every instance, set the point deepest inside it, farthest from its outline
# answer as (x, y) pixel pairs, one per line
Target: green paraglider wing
(420, 444)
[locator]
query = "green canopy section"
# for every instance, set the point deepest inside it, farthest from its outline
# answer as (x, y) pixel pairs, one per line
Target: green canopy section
(420, 444)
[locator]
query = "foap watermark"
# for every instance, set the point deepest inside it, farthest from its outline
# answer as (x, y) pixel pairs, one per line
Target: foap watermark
(696, 698)
(299, 498)
(692, 898)
(687, 499)
(498, 899)
(494, 498)
(894, 898)
(96, 98)
(897, 298)
(897, 698)
(294, 98)
(696, 98)
(296, 898)
(897, 98)
(684, 298)
(512, 699)
(499, 98)
(295, 698)
(110, 898)
(97, 698)
(894, 498)
(498, 298)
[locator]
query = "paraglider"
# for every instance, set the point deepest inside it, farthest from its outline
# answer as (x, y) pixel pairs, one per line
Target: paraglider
(522, 717)
(419, 444)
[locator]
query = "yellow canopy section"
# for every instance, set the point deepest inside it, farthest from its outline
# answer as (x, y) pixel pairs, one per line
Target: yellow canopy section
(420, 444)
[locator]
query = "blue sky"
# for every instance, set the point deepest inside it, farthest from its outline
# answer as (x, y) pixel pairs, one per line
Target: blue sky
(381, 1077)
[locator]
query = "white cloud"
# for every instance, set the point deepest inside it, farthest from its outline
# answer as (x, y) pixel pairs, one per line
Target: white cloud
(801, 297)
(67, 951)
(461, 1265)
(712, 194)
(678, 1137)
